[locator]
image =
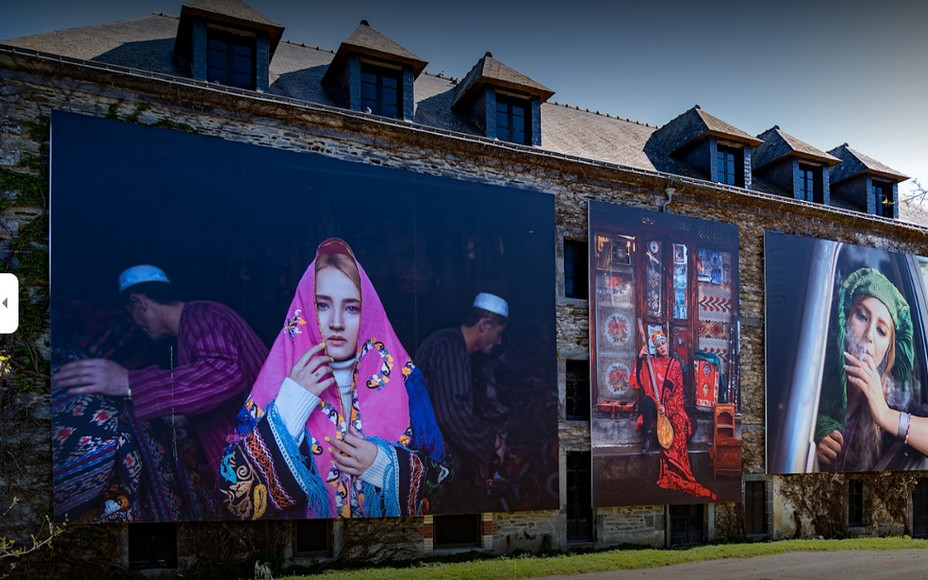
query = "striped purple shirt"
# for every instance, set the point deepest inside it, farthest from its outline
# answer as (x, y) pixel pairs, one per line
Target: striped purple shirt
(218, 359)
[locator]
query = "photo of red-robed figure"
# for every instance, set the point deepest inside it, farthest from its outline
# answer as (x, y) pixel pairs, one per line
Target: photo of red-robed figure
(664, 396)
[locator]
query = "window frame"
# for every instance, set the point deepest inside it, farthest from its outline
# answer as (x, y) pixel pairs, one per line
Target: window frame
(735, 176)
(578, 510)
(509, 102)
(230, 72)
(377, 104)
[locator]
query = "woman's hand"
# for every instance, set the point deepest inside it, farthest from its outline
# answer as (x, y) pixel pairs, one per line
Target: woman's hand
(312, 371)
(863, 375)
(827, 450)
(353, 454)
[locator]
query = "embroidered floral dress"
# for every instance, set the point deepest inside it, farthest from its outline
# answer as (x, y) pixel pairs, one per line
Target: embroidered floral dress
(266, 472)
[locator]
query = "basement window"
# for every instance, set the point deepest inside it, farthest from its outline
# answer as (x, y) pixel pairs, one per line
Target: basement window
(152, 545)
(456, 531)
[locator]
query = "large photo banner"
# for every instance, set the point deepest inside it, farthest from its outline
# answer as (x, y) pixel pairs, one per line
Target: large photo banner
(845, 356)
(666, 416)
(240, 332)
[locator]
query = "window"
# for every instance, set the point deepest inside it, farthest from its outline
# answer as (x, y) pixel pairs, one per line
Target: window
(920, 509)
(381, 91)
(457, 531)
(576, 278)
(686, 525)
(577, 396)
(810, 184)
(152, 546)
(579, 497)
(755, 508)
(728, 166)
(513, 120)
(883, 192)
(855, 503)
(311, 538)
(230, 59)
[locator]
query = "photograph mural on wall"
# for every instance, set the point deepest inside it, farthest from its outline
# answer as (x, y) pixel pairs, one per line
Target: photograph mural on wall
(239, 332)
(663, 304)
(841, 317)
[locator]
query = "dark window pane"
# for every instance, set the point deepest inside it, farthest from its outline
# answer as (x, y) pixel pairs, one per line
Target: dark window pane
(380, 91)
(457, 531)
(755, 507)
(152, 545)
(311, 538)
(513, 122)
(579, 497)
(576, 278)
(577, 395)
(230, 60)
(855, 503)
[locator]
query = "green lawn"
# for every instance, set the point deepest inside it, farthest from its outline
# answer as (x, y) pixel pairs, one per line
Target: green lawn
(532, 566)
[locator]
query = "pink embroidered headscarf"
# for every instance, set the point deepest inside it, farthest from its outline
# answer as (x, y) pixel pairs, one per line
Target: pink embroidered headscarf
(380, 403)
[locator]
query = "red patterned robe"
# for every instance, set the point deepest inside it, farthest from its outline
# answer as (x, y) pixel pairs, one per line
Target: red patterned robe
(675, 471)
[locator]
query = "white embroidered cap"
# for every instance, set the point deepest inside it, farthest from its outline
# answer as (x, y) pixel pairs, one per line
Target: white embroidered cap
(492, 303)
(140, 274)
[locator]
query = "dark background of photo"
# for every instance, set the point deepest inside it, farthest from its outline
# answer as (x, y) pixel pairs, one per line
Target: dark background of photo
(239, 224)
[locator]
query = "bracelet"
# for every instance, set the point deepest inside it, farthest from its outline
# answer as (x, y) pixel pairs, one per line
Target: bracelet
(128, 392)
(903, 428)
(907, 427)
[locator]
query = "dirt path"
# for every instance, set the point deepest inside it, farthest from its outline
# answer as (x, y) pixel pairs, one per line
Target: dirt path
(838, 565)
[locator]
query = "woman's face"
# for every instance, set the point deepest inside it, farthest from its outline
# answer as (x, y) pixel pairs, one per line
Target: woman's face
(338, 309)
(869, 329)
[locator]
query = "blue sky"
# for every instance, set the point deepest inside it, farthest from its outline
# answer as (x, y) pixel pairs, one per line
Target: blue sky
(826, 72)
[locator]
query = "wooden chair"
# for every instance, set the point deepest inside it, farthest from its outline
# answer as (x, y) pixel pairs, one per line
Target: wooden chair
(726, 447)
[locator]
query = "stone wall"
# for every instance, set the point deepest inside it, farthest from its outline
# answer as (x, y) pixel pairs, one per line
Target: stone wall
(32, 86)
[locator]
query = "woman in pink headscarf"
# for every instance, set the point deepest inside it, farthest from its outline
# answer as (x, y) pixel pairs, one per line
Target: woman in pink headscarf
(338, 423)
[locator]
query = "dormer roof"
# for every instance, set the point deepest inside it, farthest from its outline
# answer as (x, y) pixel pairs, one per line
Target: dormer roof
(854, 163)
(365, 40)
(235, 13)
(777, 144)
(694, 125)
(488, 70)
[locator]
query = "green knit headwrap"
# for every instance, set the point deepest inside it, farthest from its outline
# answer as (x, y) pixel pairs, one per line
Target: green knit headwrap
(832, 413)
(869, 282)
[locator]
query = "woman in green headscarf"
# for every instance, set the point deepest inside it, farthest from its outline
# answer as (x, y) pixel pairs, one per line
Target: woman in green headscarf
(869, 357)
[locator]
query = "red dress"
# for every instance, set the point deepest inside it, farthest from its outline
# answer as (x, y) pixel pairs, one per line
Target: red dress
(675, 471)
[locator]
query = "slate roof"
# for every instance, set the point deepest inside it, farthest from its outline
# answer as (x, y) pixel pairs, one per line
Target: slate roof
(854, 163)
(296, 71)
(778, 144)
(489, 70)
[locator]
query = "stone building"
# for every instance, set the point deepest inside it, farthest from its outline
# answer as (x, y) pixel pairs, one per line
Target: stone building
(223, 70)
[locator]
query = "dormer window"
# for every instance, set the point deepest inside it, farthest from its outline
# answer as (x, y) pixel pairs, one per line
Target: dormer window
(381, 90)
(699, 145)
(372, 74)
(501, 102)
(513, 119)
(793, 168)
(230, 59)
(227, 43)
(862, 183)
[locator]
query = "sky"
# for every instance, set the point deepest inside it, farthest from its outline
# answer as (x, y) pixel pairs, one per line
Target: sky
(826, 72)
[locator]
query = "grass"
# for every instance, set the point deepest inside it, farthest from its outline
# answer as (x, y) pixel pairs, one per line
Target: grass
(528, 566)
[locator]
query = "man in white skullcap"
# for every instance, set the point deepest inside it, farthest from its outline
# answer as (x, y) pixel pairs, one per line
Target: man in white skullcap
(476, 447)
(218, 357)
